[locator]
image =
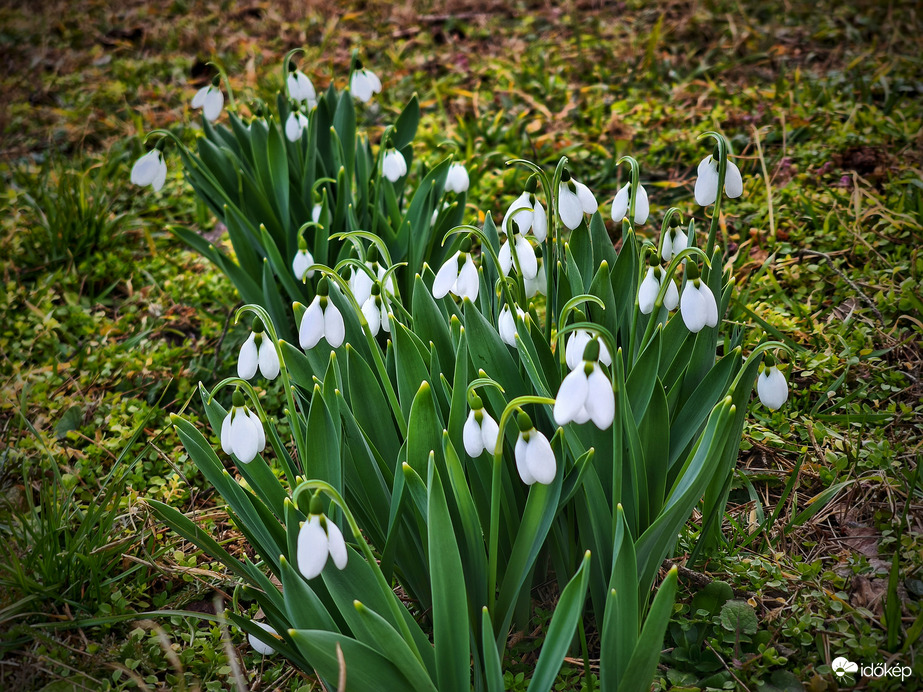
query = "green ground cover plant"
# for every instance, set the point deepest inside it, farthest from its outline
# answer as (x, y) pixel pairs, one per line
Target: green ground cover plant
(820, 106)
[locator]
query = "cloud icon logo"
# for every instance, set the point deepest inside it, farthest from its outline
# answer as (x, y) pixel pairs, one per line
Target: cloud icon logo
(841, 666)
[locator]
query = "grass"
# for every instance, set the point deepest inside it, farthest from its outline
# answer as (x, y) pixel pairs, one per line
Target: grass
(822, 105)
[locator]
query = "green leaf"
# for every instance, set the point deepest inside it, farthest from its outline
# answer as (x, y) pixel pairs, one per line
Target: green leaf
(712, 597)
(739, 617)
(405, 129)
(390, 644)
(640, 671)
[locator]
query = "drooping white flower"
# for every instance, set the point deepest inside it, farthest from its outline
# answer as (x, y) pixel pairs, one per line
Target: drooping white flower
(210, 100)
(576, 347)
(506, 325)
(322, 319)
(458, 275)
(480, 432)
(319, 538)
(574, 200)
(259, 646)
(258, 352)
(674, 241)
(697, 306)
(525, 254)
(295, 125)
(360, 283)
(242, 432)
(303, 260)
(650, 287)
(363, 83)
(528, 213)
(585, 394)
(621, 204)
(534, 456)
(706, 184)
(393, 165)
(316, 212)
(375, 311)
(456, 180)
(150, 169)
(300, 88)
(772, 388)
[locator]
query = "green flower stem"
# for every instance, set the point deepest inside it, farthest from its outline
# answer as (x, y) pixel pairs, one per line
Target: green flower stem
(232, 104)
(367, 553)
(385, 137)
(495, 483)
(373, 345)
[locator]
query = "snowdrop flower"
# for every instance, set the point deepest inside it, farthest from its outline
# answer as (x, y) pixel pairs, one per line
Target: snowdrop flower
(697, 304)
(538, 283)
(300, 87)
(360, 283)
(706, 184)
(506, 325)
(650, 287)
(319, 538)
(376, 314)
(242, 432)
(525, 255)
(586, 393)
(363, 83)
(674, 241)
(576, 347)
(303, 260)
(316, 212)
(393, 165)
(528, 213)
(458, 275)
(481, 431)
(621, 204)
(534, 457)
(771, 386)
(258, 351)
(573, 204)
(295, 125)
(150, 169)
(456, 180)
(322, 319)
(210, 100)
(259, 646)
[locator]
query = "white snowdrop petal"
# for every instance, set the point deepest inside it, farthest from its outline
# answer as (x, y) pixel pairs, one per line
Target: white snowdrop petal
(706, 184)
(519, 212)
(334, 328)
(522, 464)
(214, 102)
(372, 315)
(772, 388)
(600, 400)
(293, 127)
(160, 176)
(226, 434)
(145, 169)
(446, 277)
(587, 201)
(506, 325)
(642, 206)
(540, 459)
(490, 432)
(711, 307)
(312, 325)
(300, 264)
(573, 351)
(647, 292)
(385, 319)
(336, 545)
(248, 359)
(261, 434)
(733, 181)
(525, 253)
(539, 222)
(457, 179)
(269, 359)
(582, 416)
(199, 99)
(693, 309)
(360, 283)
(360, 87)
(259, 646)
(671, 297)
(604, 356)
(680, 242)
(245, 438)
(620, 203)
(571, 396)
(506, 257)
(373, 81)
(467, 283)
(312, 548)
(316, 212)
(569, 207)
(472, 437)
